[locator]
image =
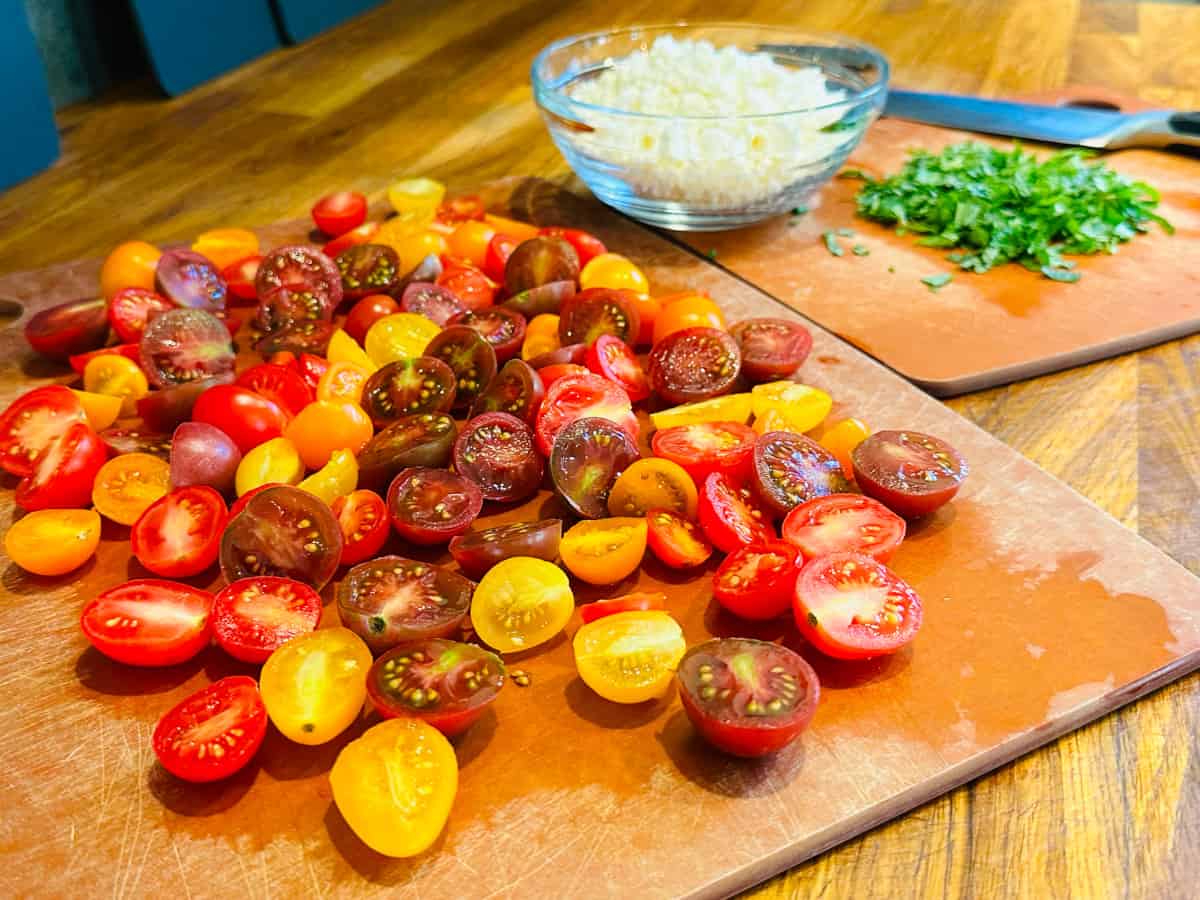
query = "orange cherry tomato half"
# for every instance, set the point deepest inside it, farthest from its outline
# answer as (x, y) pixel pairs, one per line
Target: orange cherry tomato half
(53, 541)
(131, 264)
(686, 310)
(324, 426)
(519, 231)
(612, 270)
(470, 241)
(126, 485)
(225, 246)
(841, 439)
(342, 382)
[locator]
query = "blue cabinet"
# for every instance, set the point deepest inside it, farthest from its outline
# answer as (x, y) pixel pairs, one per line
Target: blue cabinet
(300, 20)
(31, 136)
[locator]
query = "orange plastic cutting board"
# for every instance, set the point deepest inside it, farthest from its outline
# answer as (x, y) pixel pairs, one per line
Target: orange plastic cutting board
(1041, 613)
(979, 330)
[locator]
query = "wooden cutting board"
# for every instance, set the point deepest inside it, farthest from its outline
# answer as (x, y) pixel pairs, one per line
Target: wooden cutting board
(1042, 613)
(980, 330)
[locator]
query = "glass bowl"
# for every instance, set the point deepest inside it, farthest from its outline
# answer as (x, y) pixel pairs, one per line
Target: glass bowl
(709, 172)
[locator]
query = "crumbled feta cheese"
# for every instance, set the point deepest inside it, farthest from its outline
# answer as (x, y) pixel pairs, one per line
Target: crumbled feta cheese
(717, 162)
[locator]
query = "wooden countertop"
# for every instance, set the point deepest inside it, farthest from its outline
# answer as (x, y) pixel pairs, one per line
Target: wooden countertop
(442, 89)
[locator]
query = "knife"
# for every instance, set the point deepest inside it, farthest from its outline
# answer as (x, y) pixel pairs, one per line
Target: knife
(1073, 125)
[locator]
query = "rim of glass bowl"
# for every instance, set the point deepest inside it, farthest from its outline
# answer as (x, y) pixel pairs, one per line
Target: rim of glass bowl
(552, 96)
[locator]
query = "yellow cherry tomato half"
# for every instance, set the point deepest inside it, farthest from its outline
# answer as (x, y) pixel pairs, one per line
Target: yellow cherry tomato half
(788, 406)
(689, 310)
(53, 541)
(131, 264)
(395, 786)
(315, 685)
(841, 438)
(101, 409)
(225, 246)
(541, 336)
(342, 382)
(416, 200)
(653, 484)
(410, 245)
(325, 426)
(399, 336)
(469, 241)
(276, 460)
(629, 657)
(730, 408)
(116, 376)
(603, 551)
(612, 270)
(521, 602)
(336, 478)
(345, 349)
(127, 484)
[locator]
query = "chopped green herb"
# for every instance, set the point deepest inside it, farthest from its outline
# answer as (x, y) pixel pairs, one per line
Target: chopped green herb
(936, 282)
(712, 253)
(846, 232)
(799, 210)
(1007, 206)
(892, 269)
(854, 175)
(831, 243)
(860, 250)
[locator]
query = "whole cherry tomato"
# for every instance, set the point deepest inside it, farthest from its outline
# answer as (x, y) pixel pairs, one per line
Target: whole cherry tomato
(248, 418)
(469, 284)
(686, 310)
(325, 426)
(131, 264)
(366, 312)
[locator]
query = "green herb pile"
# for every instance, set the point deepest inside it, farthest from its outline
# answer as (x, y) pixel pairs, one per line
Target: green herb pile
(1007, 206)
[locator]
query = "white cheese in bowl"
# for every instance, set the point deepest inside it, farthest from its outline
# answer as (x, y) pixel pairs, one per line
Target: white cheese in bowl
(727, 160)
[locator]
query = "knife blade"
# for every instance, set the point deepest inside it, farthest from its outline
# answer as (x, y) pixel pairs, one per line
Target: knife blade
(1070, 125)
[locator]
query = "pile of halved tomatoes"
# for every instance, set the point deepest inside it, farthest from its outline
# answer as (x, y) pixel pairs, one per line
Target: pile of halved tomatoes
(480, 361)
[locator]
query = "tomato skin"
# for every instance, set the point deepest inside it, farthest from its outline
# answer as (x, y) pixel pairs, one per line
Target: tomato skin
(34, 421)
(53, 542)
(687, 310)
(586, 245)
(911, 473)
(235, 699)
(64, 474)
(251, 628)
(840, 523)
(313, 686)
(79, 361)
(473, 289)
(131, 264)
(282, 385)
(551, 374)
(311, 367)
(477, 551)
(325, 426)
(771, 348)
(676, 541)
(613, 271)
(239, 277)
(156, 545)
(248, 418)
(337, 213)
(366, 312)
(611, 358)
(470, 240)
(731, 516)
(757, 582)
(499, 249)
(637, 602)
(708, 447)
(460, 209)
(363, 518)
(115, 624)
(68, 329)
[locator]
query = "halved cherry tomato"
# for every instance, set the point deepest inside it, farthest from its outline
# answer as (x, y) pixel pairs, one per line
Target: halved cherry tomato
(368, 269)
(343, 348)
(729, 408)
(116, 376)
(520, 603)
(245, 415)
(214, 732)
(126, 485)
(586, 245)
(444, 683)
(677, 541)
(253, 617)
(362, 516)
(911, 473)
(757, 582)
(430, 506)
(416, 200)
(842, 523)
(788, 406)
(653, 484)
(343, 383)
(311, 367)
(399, 336)
(33, 422)
(390, 600)
(588, 456)
(149, 622)
(611, 358)
(495, 451)
(366, 312)
(499, 249)
(363, 234)
(541, 336)
(240, 503)
(473, 289)
(79, 361)
(282, 531)
(276, 461)
(131, 308)
(53, 541)
(180, 533)
(585, 316)
(707, 447)
(335, 479)
(190, 280)
(649, 309)
(68, 329)
(578, 397)
(62, 477)
(460, 209)
(432, 301)
(393, 814)
(325, 426)
(337, 213)
(641, 601)
(841, 438)
(225, 246)
(313, 685)
(470, 240)
(540, 261)
(239, 276)
(415, 249)
(731, 516)
(518, 231)
(790, 469)
(614, 271)
(771, 348)
(604, 551)
(282, 385)
(686, 310)
(629, 657)
(131, 264)
(477, 551)
(516, 389)
(850, 606)
(425, 439)
(551, 374)
(694, 364)
(747, 697)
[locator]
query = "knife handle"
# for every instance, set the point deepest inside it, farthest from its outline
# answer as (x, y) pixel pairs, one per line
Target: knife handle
(1158, 129)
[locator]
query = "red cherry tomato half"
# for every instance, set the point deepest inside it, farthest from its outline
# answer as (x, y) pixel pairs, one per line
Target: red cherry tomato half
(366, 312)
(678, 542)
(707, 447)
(33, 422)
(731, 515)
(214, 732)
(587, 246)
(363, 518)
(850, 606)
(911, 473)
(179, 534)
(239, 277)
(311, 367)
(240, 503)
(335, 214)
(771, 348)
(149, 622)
(360, 235)
(460, 209)
(247, 417)
(129, 351)
(757, 582)
(842, 523)
(63, 475)
(282, 385)
(582, 396)
(430, 506)
(131, 308)
(637, 602)
(747, 697)
(611, 358)
(255, 616)
(694, 364)
(473, 289)
(499, 249)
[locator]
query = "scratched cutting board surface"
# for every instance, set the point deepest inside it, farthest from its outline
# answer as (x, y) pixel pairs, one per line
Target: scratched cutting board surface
(1041, 613)
(980, 330)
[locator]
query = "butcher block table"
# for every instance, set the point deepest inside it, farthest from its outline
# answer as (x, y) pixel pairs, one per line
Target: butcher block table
(441, 89)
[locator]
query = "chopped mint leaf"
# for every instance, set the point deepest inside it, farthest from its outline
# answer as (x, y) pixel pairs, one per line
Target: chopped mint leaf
(1061, 274)
(860, 250)
(846, 232)
(831, 243)
(936, 282)
(799, 210)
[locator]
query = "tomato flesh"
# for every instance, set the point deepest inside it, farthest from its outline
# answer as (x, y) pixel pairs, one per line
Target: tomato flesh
(731, 516)
(694, 364)
(611, 358)
(588, 457)
(149, 622)
(790, 469)
(707, 447)
(912, 474)
(675, 540)
(430, 506)
(477, 551)
(841, 523)
(496, 451)
(313, 686)
(362, 516)
(521, 603)
(282, 531)
(32, 423)
(179, 535)
(629, 657)
(282, 385)
(771, 348)
(214, 732)
(757, 582)
(582, 396)
(64, 474)
(252, 617)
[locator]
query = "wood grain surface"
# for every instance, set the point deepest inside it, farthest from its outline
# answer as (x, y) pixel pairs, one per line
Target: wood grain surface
(1110, 810)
